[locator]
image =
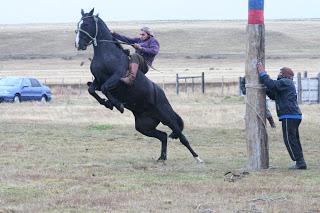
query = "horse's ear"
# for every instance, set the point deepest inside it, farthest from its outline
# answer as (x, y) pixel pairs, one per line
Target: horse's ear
(82, 12)
(91, 12)
(97, 15)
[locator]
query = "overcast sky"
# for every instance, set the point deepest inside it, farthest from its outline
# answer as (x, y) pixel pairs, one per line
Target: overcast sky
(60, 11)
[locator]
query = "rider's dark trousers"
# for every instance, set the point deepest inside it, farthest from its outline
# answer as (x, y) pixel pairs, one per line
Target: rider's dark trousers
(138, 59)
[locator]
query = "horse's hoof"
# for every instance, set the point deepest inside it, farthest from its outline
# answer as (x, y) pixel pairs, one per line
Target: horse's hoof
(120, 108)
(199, 160)
(161, 159)
(108, 105)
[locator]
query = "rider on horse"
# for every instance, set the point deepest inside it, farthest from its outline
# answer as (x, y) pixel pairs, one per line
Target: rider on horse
(147, 47)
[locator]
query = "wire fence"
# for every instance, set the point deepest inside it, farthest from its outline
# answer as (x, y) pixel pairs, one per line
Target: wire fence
(191, 85)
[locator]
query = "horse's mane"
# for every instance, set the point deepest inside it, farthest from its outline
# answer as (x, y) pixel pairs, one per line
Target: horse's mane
(116, 42)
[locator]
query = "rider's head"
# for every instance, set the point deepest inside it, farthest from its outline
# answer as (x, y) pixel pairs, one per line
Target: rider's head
(145, 33)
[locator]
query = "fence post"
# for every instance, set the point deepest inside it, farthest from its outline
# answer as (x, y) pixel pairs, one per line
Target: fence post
(319, 88)
(185, 85)
(62, 86)
(80, 87)
(305, 74)
(163, 83)
(177, 84)
(192, 84)
(202, 82)
(222, 85)
(299, 88)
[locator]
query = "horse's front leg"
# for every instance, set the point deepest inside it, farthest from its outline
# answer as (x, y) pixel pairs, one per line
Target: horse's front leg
(111, 83)
(102, 101)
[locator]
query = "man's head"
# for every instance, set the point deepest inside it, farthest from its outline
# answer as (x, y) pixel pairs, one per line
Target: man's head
(286, 72)
(145, 33)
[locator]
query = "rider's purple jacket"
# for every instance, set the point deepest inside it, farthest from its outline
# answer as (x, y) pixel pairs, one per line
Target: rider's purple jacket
(149, 48)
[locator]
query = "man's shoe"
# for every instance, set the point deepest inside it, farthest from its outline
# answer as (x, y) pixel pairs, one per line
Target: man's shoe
(298, 165)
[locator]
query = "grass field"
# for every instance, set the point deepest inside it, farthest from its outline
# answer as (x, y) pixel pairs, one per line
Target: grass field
(73, 155)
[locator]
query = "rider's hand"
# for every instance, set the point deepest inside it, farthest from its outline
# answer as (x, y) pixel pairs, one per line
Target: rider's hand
(126, 80)
(137, 46)
(260, 67)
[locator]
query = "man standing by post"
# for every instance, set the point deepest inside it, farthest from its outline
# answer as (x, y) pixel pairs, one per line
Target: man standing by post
(283, 92)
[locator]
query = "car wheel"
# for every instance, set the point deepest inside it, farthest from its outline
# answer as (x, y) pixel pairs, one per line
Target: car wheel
(16, 99)
(43, 99)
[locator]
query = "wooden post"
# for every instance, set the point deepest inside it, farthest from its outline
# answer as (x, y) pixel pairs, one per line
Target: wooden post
(299, 85)
(192, 84)
(222, 85)
(305, 74)
(177, 84)
(62, 86)
(318, 88)
(256, 134)
(80, 87)
(202, 82)
(163, 87)
(185, 85)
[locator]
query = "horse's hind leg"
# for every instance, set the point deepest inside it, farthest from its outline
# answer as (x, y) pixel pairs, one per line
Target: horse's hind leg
(168, 118)
(147, 126)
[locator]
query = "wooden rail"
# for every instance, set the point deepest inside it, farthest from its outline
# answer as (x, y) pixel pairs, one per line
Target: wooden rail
(186, 78)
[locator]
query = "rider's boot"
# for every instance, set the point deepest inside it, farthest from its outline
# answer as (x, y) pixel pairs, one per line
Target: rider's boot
(133, 69)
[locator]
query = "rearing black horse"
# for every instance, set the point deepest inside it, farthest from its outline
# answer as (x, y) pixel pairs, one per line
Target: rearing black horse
(144, 98)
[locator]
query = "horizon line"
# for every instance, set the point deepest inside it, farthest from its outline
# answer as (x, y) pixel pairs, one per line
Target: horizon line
(167, 20)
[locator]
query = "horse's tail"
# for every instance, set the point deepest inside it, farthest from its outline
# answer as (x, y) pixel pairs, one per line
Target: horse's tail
(180, 122)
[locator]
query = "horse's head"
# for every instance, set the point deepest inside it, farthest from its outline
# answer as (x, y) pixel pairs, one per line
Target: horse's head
(87, 30)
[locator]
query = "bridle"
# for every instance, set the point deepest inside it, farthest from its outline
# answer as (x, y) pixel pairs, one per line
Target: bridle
(94, 40)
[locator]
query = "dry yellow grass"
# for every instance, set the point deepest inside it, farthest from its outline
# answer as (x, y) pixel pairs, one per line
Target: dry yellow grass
(74, 155)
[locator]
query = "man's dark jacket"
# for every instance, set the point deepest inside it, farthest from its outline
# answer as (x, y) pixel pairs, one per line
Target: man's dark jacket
(284, 93)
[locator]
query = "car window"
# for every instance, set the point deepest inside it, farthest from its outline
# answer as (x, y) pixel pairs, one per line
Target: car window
(26, 82)
(35, 82)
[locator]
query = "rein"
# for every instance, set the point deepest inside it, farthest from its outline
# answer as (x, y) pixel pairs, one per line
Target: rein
(94, 40)
(115, 42)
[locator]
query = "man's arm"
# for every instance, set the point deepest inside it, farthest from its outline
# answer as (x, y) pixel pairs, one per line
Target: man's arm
(272, 85)
(125, 38)
(270, 94)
